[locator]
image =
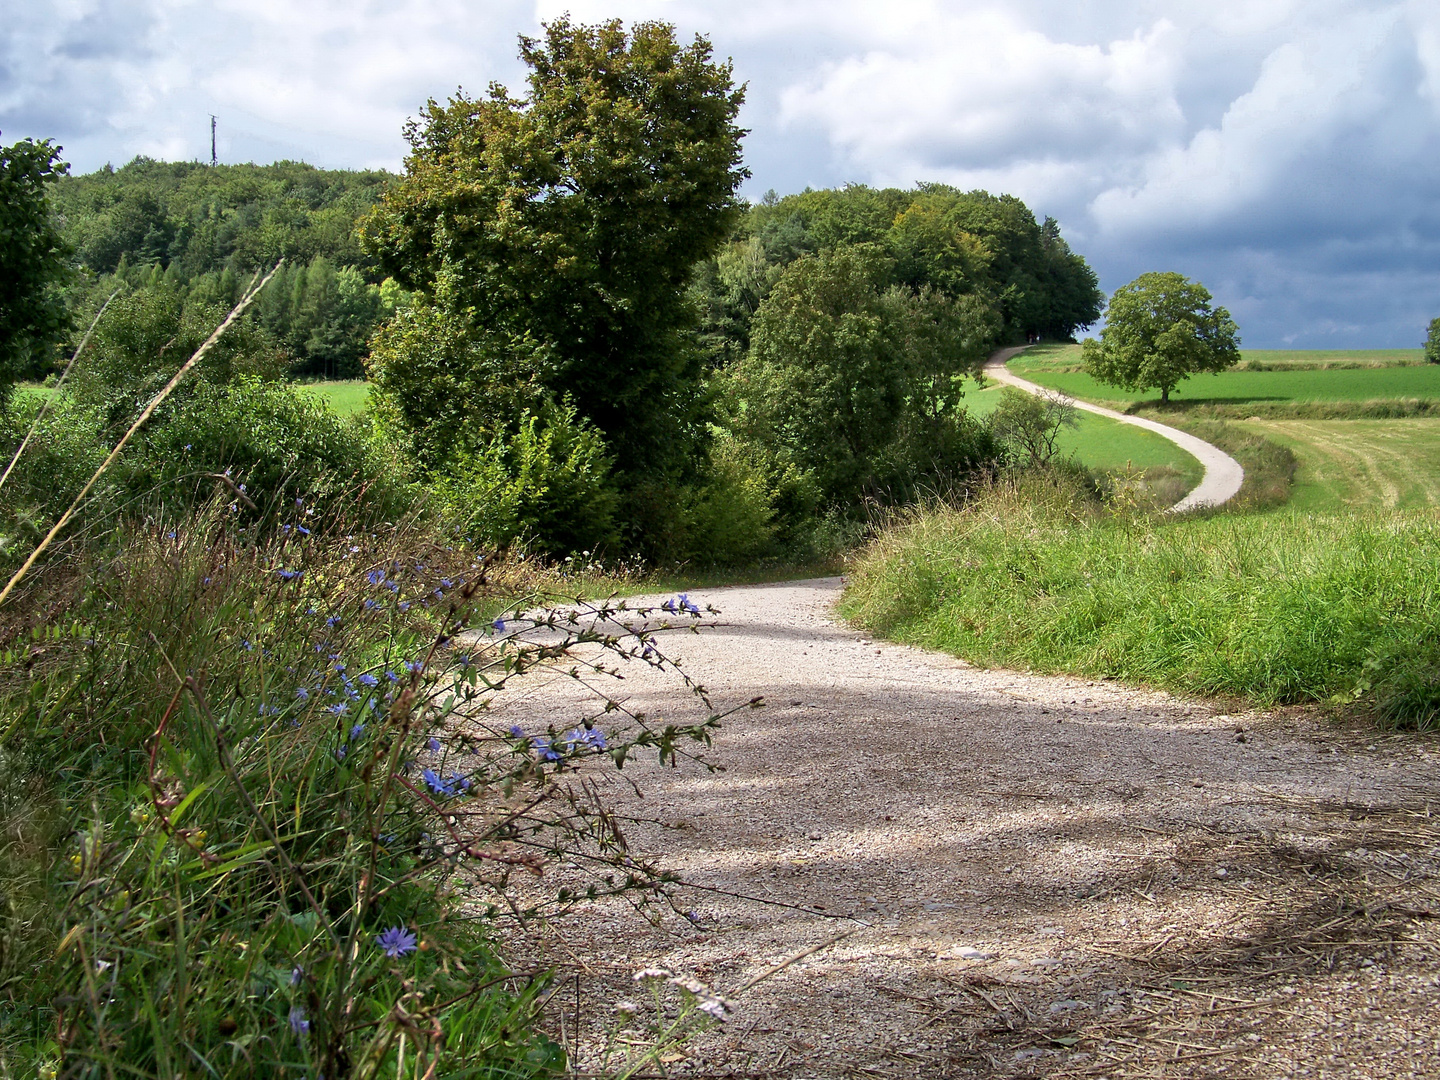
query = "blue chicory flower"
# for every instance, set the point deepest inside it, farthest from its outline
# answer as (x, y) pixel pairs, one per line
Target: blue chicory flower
(298, 1023)
(368, 680)
(396, 942)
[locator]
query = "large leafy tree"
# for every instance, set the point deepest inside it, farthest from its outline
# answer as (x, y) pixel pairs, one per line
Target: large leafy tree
(34, 261)
(847, 380)
(1159, 330)
(555, 233)
(1432, 343)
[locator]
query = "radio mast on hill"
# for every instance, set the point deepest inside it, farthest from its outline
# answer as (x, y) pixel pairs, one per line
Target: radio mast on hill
(213, 159)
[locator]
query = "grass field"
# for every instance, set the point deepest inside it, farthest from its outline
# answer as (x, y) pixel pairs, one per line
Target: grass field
(1345, 424)
(1351, 464)
(345, 397)
(1281, 607)
(1260, 359)
(1234, 387)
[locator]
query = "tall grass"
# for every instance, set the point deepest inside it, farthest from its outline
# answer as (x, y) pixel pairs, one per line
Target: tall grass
(1278, 608)
(256, 822)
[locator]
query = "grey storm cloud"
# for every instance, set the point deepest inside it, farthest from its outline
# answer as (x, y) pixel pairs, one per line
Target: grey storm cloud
(1285, 152)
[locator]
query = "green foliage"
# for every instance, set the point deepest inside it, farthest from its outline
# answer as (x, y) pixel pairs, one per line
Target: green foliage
(1159, 329)
(322, 316)
(1028, 426)
(204, 220)
(143, 340)
(34, 260)
(250, 781)
(839, 371)
(279, 442)
(1275, 608)
(1432, 343)
(545, 484)
(448, 386)
(561, 228)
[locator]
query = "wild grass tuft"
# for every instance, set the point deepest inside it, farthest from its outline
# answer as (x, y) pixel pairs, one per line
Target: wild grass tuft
(1277, 608)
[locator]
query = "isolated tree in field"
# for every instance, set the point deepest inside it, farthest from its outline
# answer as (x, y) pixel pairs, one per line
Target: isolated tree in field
(1432, 343)
(558, 231)
(33, 258)
(1160, 329)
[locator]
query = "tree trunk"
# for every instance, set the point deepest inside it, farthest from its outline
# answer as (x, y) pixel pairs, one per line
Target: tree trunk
(1164, 395)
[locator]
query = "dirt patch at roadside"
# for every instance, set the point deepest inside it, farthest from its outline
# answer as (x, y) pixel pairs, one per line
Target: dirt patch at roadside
(1007, 874)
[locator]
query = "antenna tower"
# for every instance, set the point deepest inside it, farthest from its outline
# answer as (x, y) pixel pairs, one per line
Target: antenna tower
(213, 159)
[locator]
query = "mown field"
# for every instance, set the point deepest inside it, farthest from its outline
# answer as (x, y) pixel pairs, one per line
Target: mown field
(1347, 464)
(1315, 404)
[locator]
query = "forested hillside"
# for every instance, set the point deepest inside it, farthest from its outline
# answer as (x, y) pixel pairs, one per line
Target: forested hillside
(195, 234)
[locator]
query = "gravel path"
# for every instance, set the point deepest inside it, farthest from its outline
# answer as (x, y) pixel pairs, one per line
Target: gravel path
(1033, 875)
(1223, 474)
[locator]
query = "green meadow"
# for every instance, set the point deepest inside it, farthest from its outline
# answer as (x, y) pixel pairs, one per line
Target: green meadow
(1299, 384)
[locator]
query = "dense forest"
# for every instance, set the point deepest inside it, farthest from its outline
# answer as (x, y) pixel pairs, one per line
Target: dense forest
(193, 235)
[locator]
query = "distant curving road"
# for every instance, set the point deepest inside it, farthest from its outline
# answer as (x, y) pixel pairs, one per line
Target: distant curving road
(1223, 474)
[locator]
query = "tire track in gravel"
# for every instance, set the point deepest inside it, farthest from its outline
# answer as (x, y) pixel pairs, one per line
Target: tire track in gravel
(1040, 876)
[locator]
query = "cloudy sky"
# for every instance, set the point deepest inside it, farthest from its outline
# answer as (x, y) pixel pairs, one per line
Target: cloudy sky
(1284, 152)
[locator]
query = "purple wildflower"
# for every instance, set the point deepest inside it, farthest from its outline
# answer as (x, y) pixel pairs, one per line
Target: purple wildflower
(396, 942)
(298, 1023)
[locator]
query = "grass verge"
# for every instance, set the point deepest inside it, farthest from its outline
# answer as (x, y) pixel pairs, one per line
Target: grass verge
(1277, 608)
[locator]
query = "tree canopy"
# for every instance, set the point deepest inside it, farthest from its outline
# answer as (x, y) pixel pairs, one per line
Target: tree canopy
(559, 229)
(33, 258)
(1159, 330)
(1432, 343)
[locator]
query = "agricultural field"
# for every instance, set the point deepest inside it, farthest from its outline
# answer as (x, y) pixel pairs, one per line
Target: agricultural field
(1359, 463)
(1288, 384)
(1321, 405)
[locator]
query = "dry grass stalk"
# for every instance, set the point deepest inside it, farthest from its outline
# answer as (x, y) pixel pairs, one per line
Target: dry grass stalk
(146, 413)
(45, 405)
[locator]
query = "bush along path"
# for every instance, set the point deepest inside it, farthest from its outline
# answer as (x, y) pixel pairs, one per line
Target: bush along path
(1223, 474)
(905, 866)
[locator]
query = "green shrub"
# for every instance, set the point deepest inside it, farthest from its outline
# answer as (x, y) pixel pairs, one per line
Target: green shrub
(546, 485)
(64, 452)
(146, 336)
(247, 784)
(280, 442)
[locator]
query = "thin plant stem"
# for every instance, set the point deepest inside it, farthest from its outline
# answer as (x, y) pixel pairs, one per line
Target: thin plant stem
(148, 411)
(45, 406)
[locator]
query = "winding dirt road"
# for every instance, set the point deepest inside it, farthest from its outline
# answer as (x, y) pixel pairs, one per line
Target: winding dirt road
(1223, 474)
(1005, 874)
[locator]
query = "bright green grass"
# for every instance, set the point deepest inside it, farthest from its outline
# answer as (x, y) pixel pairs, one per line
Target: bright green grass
(1321, 357)
(345, 397)
(1338, 384)
(1103, 444)
(1283, 607)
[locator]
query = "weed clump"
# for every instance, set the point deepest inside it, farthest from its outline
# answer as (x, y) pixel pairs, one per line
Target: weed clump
(249, 782)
